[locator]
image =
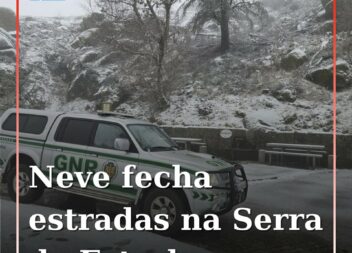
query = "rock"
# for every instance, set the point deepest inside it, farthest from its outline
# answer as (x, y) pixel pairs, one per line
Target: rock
(268, 61)
(240, 114)
(6, 40)
(188, 90)
(62, 28)
(110, 80)
(262, 118)
(88, 57)
(59, 65)
(342, 65)
(7, 84)
(293, 59)
(7, 18)
(285, 95)
(13, 34)
(85, 85)
(323, 75)
(219, 61)
(290, 118)
(9, 53)
(87, 38)
(204, 110)
(109, 58)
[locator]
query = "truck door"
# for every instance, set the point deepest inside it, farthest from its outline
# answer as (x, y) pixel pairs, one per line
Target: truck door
(66, 148)
(111, 160)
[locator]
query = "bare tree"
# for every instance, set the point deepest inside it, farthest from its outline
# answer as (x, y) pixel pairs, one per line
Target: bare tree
(222, 11)
(152, 19)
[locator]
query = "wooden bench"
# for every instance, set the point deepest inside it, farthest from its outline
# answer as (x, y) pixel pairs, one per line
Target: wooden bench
(297, 150)
(188, 142)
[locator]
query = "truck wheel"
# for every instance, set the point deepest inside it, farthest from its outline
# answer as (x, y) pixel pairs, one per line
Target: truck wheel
(26, 194)
(168, 202)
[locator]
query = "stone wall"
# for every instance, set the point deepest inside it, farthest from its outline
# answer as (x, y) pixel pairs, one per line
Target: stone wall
(244, 144)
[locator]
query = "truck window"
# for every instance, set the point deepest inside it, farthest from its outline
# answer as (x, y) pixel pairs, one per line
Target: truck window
(106, 135)
(30, 124)
(75, 131)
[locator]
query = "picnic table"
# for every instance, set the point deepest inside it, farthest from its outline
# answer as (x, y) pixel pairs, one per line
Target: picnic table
(309, 151)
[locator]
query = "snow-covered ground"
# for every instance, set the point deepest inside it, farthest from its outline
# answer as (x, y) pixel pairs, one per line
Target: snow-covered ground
(246, 111)
(249, 87)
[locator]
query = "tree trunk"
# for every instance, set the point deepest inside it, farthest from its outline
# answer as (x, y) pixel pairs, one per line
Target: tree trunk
(163, 43)
(224, 25)
(159, 78)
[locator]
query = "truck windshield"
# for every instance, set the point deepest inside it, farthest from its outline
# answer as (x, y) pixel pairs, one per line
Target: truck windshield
(152, 138)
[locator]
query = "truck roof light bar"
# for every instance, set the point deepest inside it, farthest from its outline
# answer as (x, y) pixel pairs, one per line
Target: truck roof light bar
(116, 114)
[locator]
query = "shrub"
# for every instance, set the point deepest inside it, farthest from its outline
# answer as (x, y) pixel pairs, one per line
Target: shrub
(94, 20)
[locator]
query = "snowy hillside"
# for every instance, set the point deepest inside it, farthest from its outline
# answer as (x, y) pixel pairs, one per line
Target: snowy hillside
(278, 77)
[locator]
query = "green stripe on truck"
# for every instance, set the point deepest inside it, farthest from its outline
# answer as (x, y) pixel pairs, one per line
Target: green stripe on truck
(125, 158)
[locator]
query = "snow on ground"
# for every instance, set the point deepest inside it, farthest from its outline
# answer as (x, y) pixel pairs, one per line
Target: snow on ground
(262, 173)
(235, 90)
(247, 112)
(7, 67)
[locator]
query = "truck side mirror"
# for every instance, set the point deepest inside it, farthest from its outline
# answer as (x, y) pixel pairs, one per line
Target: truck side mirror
(122, 144)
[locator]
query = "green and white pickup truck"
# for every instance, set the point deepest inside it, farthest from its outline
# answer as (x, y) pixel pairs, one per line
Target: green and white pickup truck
(109, 142)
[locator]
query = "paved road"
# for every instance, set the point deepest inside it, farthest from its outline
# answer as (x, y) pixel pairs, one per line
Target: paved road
(72, 242)
(283, 190)
(272, 190)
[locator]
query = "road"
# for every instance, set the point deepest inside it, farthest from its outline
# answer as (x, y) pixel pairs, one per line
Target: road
(286, 190)
(73, 241)
(272, 190)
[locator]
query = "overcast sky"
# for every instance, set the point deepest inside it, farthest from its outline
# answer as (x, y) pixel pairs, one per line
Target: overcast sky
(47, 8)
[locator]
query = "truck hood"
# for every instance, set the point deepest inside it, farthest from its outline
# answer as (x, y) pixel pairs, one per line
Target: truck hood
(190, 160)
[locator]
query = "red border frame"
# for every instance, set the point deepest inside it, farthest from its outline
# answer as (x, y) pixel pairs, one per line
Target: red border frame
(18, 135)
(334, 47)
(17, 123)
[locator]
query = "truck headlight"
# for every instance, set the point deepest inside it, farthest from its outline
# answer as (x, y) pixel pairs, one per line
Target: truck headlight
(215, 180)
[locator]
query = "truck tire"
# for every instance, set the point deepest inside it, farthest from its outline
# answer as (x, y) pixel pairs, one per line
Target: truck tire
(166, 201)
(26, 194)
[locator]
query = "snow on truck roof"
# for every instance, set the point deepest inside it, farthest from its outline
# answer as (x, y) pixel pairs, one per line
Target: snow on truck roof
(100, 115)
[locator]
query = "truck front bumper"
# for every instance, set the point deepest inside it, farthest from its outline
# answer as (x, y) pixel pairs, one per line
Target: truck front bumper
(220, 200)
(234, 193)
